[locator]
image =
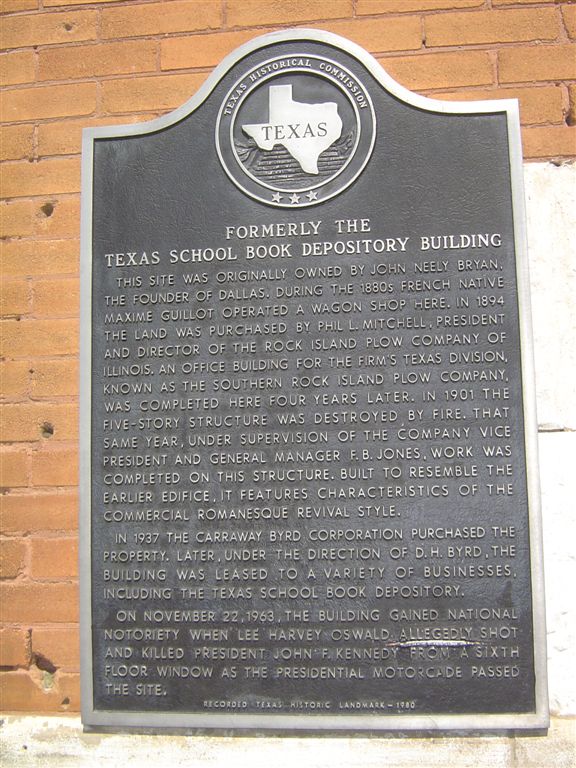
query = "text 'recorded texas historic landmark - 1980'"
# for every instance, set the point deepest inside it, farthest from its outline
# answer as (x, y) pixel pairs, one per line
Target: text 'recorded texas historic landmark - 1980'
(309, 489)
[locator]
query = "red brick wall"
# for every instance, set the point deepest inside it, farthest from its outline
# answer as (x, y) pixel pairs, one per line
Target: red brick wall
(67, 64)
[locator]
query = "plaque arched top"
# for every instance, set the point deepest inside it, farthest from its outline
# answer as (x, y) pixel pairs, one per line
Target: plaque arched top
(337, 42)
(296, 127)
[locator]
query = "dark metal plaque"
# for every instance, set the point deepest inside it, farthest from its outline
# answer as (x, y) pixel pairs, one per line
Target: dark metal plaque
(309, 484)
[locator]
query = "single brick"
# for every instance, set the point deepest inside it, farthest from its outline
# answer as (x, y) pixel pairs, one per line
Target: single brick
(32, 338)
(56, 298)
(32, 29)
(59, 644)
(164, 92)
(16, 67)
(550, 141)
(38, 691)
(47, 101)
(54, 378)
(135, 20)
(16, 142)
(537, 105)
(11, 6)
(441, 70)
(372, 7)
(24, 513)
(68, 63)
(14, 378)
(53, 3)
(16, 218)
(14, 298)
(14, 647)
(12, 557)
(26, 422)
(525, 2)
(55, 467)
(491, 27)
(55, 558)
(569, 18)
(380, 35)
(27, 603)
(43, 257)
(13, 468)
(65, 136)
(200, 50)
(246, 13)
(57, 217)
(543, 62)
(47, 177)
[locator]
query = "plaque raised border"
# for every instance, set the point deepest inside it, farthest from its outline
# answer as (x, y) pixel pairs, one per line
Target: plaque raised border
(102, 720)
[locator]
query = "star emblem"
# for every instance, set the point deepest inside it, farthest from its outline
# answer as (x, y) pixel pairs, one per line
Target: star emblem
(276, 197)
(312, 195)
(294, 198)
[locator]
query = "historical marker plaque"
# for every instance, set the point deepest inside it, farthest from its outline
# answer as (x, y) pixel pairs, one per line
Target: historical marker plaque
(308, 465)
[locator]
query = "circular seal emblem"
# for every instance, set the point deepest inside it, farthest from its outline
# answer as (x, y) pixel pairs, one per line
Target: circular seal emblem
(295, 130)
